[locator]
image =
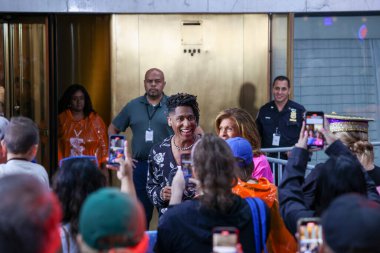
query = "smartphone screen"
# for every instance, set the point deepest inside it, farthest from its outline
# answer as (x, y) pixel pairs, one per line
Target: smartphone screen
(309, 235)
(186, 165)
(314, 122)
(225, 239)
(116, 148)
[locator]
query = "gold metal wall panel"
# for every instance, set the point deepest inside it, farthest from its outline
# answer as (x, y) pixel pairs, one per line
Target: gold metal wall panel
(229, 68)
(254, 91)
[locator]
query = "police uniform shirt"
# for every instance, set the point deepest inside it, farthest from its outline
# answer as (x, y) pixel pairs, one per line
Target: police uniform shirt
(288, 123)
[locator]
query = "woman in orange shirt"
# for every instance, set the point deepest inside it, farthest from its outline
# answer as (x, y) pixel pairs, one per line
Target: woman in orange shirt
(81, 131)
(279, 239)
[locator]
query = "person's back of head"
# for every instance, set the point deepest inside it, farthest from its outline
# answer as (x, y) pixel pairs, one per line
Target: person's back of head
(351, 225)
(30, 216)
(242, 151)
(214, 167)
(339, 175)
(21, 135)
(75, 180)
(110, 219)
(3, 126)
(359, 144)
(353, 132)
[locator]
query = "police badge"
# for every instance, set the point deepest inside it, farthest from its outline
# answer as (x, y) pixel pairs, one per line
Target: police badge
(293, 115)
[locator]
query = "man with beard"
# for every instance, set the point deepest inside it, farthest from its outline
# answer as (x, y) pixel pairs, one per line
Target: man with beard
(146, 116)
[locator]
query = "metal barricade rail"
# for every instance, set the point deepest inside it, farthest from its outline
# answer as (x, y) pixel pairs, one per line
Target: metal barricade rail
(278, 165)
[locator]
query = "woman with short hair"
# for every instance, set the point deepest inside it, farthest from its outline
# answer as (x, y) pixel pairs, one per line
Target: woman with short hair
(236, 122)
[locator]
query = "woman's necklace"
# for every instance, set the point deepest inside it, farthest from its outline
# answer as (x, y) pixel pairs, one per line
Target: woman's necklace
(182, 149)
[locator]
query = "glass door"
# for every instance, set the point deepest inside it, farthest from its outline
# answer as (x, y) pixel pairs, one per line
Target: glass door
(24, 80)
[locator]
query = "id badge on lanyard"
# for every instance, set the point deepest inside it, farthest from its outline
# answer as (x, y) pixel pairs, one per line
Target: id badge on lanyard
(276, 138)
(149, 135)
(149, 131)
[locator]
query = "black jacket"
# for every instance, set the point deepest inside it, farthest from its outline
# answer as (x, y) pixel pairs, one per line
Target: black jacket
(187, 227)
(296, 194)
(288, 123)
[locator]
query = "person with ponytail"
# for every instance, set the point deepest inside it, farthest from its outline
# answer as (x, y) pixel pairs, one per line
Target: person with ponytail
(356, 139)
(352, 131)
(188, 226)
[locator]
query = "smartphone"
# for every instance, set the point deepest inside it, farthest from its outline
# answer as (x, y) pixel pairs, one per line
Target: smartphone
(225, 239)
(309, 235)
(186, 165)
(116, 148)
(314, 122)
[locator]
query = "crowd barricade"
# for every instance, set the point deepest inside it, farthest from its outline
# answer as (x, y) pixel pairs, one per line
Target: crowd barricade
(278, 164)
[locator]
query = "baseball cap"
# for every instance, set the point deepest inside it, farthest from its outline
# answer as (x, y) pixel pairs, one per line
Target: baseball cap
(241, 148)
(111, 214)
(352, 222)
(347, 123)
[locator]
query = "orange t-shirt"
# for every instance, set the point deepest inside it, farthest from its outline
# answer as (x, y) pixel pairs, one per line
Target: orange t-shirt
(280, 240)
(87, 136)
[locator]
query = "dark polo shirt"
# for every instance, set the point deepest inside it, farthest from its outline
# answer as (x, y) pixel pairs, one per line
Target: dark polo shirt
(136, 116)
(288, 123)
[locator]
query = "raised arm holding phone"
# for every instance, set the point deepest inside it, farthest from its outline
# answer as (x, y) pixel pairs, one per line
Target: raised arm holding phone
(124, 166)
(341, 173)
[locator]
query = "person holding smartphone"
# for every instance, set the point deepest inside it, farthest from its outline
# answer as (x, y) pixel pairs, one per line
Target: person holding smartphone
(352, 131)
(165, 157)
(341, 173)
(188, 226)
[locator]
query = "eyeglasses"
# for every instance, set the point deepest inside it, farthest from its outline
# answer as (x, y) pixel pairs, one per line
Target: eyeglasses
(88, 157)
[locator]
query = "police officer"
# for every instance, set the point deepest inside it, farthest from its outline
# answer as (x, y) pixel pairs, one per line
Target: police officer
(279, 121)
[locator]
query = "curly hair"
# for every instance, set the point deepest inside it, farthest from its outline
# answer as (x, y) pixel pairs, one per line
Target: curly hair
(183, 99)
(75, 180)
(246, 124)
(65, 100)
(359, 144)
(215, 167)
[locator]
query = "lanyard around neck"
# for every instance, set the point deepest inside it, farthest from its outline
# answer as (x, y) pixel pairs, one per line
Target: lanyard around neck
(150, 116)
